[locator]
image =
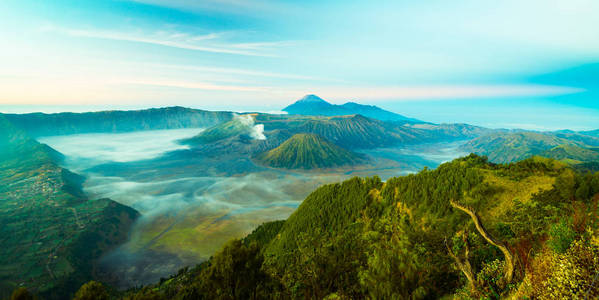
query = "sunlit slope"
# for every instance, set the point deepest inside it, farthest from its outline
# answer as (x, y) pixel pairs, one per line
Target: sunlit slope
(50, 233)
(308, 151)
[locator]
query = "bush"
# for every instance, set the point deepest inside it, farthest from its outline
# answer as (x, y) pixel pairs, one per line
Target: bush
(92, 291)
(561, 236)
(571, 275)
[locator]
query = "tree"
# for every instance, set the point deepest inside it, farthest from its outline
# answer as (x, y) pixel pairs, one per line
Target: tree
(235, 273)
(92, 290)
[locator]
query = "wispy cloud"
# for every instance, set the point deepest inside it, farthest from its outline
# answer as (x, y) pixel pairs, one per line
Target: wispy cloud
(211, 42)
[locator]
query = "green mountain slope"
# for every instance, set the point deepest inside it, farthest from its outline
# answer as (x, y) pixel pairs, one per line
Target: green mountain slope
(307, 151)
(51, 234)
(571, 153)
(570, 147)
(410, 238)
(509, 147)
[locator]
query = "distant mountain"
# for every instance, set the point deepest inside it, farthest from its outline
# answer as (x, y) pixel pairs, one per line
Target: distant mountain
(313, 105)
(594, 133)
(510, 147)
(51, 233)
(308, 151)
(40, 124)
(572, 154)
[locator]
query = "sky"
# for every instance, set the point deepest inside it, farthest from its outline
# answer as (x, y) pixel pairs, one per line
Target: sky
(528, 64)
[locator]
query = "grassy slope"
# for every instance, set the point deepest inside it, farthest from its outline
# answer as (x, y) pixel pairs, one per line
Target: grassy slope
(50, 233)
(307, 151)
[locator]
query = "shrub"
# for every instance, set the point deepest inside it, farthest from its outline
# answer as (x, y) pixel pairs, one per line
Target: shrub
(92, 291)
(570, 275)
(561, 236)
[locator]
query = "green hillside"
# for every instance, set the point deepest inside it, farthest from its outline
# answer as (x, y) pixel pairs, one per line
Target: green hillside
(510, 147)
(307, 151)
(571, 154)
(467, 230)
(51, 234)
(569, 147)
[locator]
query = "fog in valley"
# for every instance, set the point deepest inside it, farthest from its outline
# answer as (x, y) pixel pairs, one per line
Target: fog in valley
(186, 218)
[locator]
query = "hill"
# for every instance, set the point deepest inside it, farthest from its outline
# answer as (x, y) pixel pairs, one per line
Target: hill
(41, 124)
(307, 151)
(570, 147)
(469, 229)
(572, 153)
(313, 105)
(509, 147)
(51, 233)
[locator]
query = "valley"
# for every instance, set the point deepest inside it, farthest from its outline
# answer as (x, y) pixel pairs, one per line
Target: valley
(189, 181)
(187, 213)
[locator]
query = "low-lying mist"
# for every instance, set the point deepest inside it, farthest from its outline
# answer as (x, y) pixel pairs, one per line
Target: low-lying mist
(83, 151)
(187, 217)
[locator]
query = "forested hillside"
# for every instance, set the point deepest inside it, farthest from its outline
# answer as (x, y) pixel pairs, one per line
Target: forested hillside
(469, 229)
(51, 233)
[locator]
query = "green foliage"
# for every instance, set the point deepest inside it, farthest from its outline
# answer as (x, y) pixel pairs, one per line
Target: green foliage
(92, 291)
(561, 236)
(235, 273)
(489, 279)
(570, 275)
(264, 233)
(326, 211)
(398, 267)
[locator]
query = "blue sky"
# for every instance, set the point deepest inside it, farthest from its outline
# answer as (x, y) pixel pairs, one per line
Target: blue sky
(501, 64)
